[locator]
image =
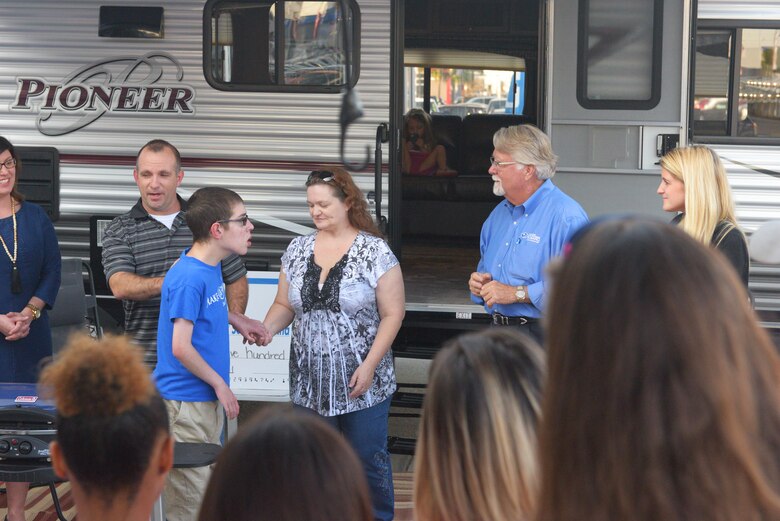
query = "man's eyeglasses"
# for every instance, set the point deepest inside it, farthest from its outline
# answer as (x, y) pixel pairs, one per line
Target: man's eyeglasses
(8, 163)
(319, 175)
(499, 164)
(243, 220)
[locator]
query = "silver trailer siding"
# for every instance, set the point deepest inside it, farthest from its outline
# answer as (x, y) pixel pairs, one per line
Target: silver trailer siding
(279, 136)
(263, 144)
(738, 10)
(754, 170)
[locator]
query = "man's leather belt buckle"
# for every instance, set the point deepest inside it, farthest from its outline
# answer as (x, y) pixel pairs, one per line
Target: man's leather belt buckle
(503, 320)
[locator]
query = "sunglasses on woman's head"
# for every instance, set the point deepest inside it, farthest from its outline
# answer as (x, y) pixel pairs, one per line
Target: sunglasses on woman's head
(319, 175)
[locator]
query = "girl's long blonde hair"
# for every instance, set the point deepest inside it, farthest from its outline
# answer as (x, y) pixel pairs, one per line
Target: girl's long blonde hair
(708, 200)
(476, 454)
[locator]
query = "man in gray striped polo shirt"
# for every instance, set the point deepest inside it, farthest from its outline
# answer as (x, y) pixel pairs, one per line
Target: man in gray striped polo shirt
(141, 245)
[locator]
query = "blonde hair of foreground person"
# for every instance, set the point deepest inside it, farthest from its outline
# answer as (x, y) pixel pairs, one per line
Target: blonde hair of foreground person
(112, 442)
(476, 454)
(287, 465)
(662, 399)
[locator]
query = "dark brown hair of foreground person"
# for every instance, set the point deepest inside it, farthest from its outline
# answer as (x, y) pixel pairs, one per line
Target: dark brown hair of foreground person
(661, 401)
(346, 191)
(477, 452)
(287, 465)
(110, 418)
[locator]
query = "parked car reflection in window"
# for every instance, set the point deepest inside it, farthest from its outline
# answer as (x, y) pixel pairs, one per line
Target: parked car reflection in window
(463, 109)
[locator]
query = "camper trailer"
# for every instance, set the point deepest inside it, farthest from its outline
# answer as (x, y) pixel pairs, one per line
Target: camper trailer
(251, 93)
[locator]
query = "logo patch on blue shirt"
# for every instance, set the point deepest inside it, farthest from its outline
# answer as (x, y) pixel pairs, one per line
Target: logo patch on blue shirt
(216, 297)
(530, 237)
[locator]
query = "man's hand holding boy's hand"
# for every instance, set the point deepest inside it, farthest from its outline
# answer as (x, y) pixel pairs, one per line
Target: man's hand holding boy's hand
(253, 331)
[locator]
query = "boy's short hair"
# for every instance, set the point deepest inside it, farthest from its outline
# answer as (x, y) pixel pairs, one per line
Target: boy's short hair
(207, 206)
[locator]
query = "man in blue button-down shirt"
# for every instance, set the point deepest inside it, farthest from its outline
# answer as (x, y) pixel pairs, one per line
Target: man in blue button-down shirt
(527, 229)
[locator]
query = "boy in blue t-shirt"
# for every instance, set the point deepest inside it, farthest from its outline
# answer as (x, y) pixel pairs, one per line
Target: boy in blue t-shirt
(193, 355)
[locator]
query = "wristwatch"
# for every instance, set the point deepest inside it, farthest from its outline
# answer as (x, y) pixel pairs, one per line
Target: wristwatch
(36, 311)
(520, 293)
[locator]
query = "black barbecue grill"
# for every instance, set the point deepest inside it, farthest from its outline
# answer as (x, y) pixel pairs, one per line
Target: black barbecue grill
(25, 433)
(27, 425)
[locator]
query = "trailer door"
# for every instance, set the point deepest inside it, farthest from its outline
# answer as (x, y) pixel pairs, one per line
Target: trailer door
(617, 89)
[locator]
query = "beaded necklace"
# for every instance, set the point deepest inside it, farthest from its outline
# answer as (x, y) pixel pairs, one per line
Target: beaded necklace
(16, 280)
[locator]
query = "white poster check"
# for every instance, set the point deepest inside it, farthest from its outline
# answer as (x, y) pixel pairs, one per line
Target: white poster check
(260, 373)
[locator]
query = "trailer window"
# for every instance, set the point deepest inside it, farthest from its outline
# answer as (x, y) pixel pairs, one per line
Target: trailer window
(619, 54)
(124, 21)
(711, 83)
(459, 82)
(283, 45)
(464, 91)
(736, 84)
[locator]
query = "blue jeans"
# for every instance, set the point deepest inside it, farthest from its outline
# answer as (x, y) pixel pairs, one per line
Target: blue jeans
(366, 431)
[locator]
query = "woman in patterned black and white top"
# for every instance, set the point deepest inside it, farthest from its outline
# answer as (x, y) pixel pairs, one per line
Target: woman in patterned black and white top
(341, 288)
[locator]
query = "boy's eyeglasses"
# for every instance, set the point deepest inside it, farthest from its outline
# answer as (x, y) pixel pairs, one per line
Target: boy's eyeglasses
(243, 220)
(319, 175)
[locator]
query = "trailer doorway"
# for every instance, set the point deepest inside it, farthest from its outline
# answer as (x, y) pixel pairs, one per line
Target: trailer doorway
(472, 69)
